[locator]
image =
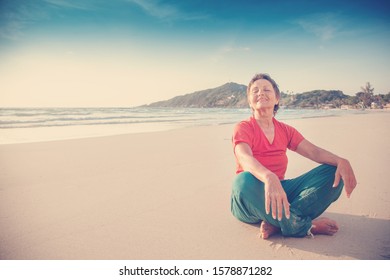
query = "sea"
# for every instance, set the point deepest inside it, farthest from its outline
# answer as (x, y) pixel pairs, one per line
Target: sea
(25, 125)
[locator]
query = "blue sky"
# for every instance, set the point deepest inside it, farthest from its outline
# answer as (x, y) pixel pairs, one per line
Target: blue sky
(132, 52)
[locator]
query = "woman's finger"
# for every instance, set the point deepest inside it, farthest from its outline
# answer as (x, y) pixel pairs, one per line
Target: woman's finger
(286, 205)
(280, 208)
(267, 202)
(337, 178)
(274, 206)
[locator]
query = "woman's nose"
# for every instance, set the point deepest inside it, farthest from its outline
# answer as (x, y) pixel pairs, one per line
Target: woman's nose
(260, 93)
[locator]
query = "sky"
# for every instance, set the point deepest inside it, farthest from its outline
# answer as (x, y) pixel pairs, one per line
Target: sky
(88, 53)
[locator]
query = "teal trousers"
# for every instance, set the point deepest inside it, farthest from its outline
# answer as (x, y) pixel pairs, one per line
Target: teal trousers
(309, 196)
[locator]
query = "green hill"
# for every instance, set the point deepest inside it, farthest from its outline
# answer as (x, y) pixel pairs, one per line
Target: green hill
(230, 95)
(233, 95)
(315, 99)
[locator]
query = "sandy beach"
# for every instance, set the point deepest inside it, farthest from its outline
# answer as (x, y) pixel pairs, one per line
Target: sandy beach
(166, 195)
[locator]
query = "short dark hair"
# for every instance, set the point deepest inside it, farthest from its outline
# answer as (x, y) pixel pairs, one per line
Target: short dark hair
(269, 79)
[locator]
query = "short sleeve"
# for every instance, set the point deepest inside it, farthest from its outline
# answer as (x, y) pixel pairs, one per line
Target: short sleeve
(295, 138)
(242, 133)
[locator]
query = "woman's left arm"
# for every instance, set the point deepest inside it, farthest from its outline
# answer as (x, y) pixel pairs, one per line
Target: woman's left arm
(344, 169)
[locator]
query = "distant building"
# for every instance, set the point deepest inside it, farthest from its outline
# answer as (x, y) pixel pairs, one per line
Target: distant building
(328, 106)
(347, 107)
(375, 105)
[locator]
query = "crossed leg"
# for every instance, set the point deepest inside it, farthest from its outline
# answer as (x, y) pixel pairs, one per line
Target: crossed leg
(321, 225)
(309, 195)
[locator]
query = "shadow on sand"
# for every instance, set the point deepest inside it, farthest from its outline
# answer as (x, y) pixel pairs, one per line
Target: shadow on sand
(359, 237)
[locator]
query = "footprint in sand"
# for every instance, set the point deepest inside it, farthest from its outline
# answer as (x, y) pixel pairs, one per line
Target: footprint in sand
(291, 251)
(275, 246)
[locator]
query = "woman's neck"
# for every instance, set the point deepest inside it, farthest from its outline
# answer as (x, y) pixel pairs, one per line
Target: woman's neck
(264, 119)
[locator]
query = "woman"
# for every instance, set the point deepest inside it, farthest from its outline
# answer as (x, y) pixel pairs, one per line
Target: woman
(260, 192)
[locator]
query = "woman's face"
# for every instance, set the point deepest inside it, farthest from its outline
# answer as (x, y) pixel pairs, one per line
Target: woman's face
(262, 95)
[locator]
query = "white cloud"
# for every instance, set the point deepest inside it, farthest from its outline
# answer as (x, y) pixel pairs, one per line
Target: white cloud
(155, 9)
(325, 26)
(16, 18)
(79, 5)
(11, 30)
(165, 11)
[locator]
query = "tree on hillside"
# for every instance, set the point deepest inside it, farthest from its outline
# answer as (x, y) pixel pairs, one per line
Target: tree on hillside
(316, 99)
(366, 95)
(386, 98)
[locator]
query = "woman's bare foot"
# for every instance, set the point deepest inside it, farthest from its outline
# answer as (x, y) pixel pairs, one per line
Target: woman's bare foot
(266, 230)
(324, 226)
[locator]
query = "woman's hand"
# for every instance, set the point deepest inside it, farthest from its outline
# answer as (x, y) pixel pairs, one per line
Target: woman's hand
(275, 197)
(344, 171)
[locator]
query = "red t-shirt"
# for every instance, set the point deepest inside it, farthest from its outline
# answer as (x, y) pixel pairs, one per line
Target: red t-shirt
(272, 156)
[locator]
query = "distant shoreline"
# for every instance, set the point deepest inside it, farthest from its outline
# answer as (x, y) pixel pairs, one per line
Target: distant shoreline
(53, 124)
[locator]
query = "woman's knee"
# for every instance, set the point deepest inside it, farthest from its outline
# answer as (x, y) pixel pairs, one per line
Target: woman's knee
(326, 170)
(322, 176)
(330, 171)
(246, 184)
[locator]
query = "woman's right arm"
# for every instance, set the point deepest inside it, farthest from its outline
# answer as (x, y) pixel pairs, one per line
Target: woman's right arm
(275, 196)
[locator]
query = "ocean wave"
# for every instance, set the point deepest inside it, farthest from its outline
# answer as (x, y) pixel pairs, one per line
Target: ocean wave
(50, 117)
